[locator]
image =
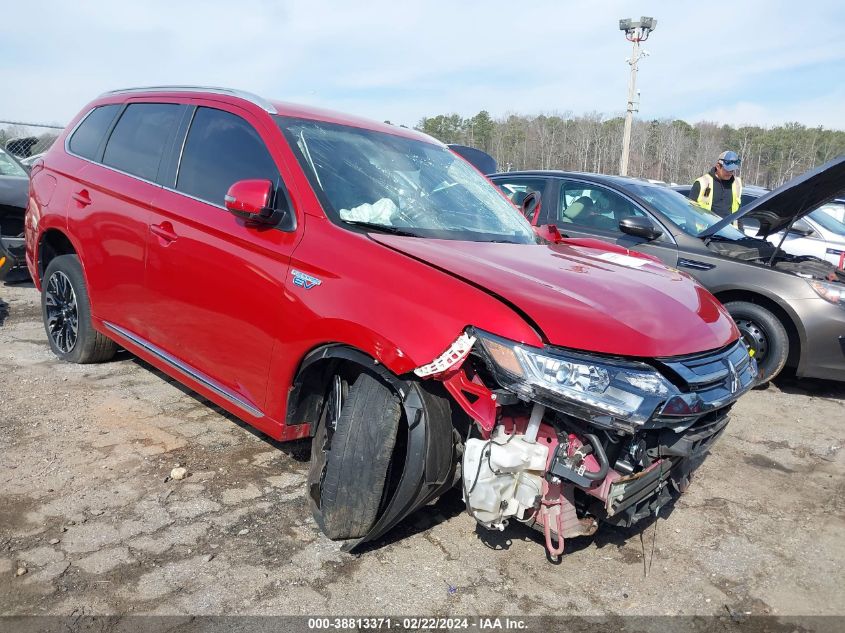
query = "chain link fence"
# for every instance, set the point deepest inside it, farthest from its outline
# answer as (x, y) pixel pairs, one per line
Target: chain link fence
(25, 140)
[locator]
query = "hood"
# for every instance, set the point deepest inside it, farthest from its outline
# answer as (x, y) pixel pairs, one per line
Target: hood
(584, 298)
(479, 159)
(794, 199)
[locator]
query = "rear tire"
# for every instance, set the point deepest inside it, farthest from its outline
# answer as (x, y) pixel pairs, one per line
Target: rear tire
(66, 312)
(765, 334)
(351, 454)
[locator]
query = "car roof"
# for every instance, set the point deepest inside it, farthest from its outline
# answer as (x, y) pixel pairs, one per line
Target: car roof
(583, 175)
(270, 106)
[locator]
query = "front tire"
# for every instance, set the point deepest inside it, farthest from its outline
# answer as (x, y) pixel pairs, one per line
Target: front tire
(351, 453)
(66, 311)
(764, 333)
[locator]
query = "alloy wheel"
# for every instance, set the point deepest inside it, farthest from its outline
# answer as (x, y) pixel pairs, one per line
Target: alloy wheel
(334, 406)
(62, 312)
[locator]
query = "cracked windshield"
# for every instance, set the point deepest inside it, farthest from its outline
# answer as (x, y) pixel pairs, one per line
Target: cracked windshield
(395, 184)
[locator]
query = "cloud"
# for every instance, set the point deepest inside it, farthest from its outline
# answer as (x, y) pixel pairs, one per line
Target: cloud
(824, 111)
(402, 61)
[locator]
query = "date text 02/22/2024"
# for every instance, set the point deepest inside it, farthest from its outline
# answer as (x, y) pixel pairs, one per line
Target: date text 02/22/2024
(418, 623)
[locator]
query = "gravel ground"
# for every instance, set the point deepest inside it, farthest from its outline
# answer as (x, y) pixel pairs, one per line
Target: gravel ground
(91, 523)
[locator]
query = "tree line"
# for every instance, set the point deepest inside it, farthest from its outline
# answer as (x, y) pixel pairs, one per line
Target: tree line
(662, 149)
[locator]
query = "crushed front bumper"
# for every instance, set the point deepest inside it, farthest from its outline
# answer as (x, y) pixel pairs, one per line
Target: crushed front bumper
(635, 497)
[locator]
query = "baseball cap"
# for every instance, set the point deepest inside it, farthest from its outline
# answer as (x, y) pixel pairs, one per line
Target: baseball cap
(729, 160)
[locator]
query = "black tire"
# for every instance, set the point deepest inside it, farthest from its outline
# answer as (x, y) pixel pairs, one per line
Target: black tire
(350, 462)
(66, 312)
(765, 334)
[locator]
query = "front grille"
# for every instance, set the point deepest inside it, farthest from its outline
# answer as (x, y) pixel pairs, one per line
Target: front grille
(709, 381)
(702, 372)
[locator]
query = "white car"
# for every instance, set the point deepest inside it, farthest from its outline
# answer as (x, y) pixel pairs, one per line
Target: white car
(835, 209)
(821, 233)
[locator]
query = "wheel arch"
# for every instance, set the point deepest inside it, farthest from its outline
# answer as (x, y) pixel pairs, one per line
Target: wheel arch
(784, 314)
(430, 452)
(52, 243)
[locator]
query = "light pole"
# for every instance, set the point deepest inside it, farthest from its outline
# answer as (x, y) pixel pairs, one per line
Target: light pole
(635, 32)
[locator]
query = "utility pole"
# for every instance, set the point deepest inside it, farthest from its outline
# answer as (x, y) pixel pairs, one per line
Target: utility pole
(635, 32)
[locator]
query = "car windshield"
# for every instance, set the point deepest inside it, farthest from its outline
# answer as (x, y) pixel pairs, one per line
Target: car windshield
(828, 221)
(10, 167)
(689, 216)
(394, 184)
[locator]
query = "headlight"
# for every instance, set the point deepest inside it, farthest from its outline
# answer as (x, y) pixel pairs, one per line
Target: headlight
(605, 391)
(829, 291)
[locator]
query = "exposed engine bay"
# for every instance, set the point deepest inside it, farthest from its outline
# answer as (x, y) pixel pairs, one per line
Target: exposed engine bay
(752, 249)
(562, 466)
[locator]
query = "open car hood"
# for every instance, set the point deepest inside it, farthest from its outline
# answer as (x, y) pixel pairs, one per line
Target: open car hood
(792, 200)
(584, 298)
(479, 159)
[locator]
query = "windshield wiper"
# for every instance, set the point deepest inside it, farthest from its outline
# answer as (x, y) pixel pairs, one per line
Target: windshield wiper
(383, 228)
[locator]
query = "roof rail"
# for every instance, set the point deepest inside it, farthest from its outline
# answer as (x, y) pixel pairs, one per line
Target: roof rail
(247, 96)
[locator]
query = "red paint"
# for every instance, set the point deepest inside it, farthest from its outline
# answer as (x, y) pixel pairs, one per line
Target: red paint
(549, 232)
(217, 292)
(249, 196)
(591, 242)
(475, 398)
(581, 301)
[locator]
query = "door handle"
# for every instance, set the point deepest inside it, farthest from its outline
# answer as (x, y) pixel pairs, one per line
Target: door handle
(164, 231)
(82, 198)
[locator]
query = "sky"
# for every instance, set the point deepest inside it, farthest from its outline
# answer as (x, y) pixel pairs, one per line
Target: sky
(760, 62)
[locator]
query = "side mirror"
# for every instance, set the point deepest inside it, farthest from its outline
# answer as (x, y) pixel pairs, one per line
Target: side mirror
(639, 226)
(251, 198)
(530, 206)
(800, 227)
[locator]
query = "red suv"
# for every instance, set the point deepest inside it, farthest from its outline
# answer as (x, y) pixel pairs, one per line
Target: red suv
(324, 276)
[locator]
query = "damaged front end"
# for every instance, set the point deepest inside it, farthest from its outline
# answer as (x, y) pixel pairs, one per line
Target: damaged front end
(567, 439)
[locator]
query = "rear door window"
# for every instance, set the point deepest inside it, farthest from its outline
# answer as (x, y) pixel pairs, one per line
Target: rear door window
(222, 148)
(87, 138)
(140, 137)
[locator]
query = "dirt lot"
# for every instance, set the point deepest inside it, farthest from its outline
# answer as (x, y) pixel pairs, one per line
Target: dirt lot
(86, 510)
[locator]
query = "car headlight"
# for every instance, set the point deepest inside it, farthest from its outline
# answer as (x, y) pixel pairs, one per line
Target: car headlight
(831, 292)
(608, 392)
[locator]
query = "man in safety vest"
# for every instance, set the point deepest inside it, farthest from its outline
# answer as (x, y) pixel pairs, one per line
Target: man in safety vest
(720, 189)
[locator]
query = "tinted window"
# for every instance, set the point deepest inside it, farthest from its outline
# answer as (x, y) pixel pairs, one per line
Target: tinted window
(87, 138)
(221, 149)
(140, 137)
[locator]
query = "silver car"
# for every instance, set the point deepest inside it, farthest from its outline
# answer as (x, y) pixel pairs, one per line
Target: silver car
(789, 309)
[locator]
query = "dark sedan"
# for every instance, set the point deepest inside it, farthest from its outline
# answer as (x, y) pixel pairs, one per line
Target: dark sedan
(14, 189)
(791, 311)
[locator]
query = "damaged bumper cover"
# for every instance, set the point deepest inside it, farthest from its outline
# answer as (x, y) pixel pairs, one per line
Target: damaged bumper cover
(683, 402)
